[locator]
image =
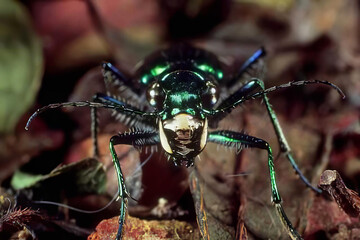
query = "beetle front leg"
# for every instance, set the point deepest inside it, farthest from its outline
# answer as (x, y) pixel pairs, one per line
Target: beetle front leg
(135, 139)
(196, 189)
(123, 195)
(284, 146)
(235, 139)
(247, 90)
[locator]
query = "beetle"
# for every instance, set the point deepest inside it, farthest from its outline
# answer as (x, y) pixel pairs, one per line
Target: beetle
(186, 93)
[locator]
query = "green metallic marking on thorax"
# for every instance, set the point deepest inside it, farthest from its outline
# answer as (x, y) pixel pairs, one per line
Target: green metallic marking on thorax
(182, 102)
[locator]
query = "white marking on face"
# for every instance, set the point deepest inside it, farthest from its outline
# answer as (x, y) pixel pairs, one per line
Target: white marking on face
(181, 121)
(163, 140)
(187, 133)
(204, 135)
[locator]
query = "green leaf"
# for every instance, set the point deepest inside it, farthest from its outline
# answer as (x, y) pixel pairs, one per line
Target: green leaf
(21, 64)
(85, 176)
(22, 179)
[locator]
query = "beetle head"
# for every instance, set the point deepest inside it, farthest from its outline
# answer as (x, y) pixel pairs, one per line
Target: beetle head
(183, 128)
(183, 137)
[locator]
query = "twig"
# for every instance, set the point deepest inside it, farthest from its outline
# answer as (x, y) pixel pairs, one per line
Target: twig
(347, 199)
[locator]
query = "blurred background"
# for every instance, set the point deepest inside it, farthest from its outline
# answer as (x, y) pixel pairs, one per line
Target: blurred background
(51, 51)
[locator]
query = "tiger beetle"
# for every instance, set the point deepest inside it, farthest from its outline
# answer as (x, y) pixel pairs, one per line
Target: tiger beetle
(186, 93)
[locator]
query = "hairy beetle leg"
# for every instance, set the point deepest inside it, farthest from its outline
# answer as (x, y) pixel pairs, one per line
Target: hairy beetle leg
(284, 146)
(135, 139)
(248, 90)
(233, 139)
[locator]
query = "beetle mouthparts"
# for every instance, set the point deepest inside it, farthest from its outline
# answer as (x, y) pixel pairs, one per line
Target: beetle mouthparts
(187, 162)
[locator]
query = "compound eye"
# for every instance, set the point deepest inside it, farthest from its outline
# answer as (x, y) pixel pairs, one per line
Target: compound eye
(210, 96)
(155, 95)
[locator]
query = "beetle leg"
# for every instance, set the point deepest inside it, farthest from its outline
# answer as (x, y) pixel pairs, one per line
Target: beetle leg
(94, 130)
(128, 118)
(248, 89)
(284, 145)
(196, 189)
(234, 139)
(121, 189)
(135, 139)
(248, 64)
(101, 98)
(115, 79)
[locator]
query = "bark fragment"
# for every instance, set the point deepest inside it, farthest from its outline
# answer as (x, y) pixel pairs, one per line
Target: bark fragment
(347, 199)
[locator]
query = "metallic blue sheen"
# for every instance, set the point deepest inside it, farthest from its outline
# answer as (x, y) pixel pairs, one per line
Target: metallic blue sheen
(113, 100)
(114, 70)
(259, 53)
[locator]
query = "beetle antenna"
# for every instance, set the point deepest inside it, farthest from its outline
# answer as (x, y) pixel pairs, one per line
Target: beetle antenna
(78, 209)
(271, 89)
(88, 104)
(297, 83)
